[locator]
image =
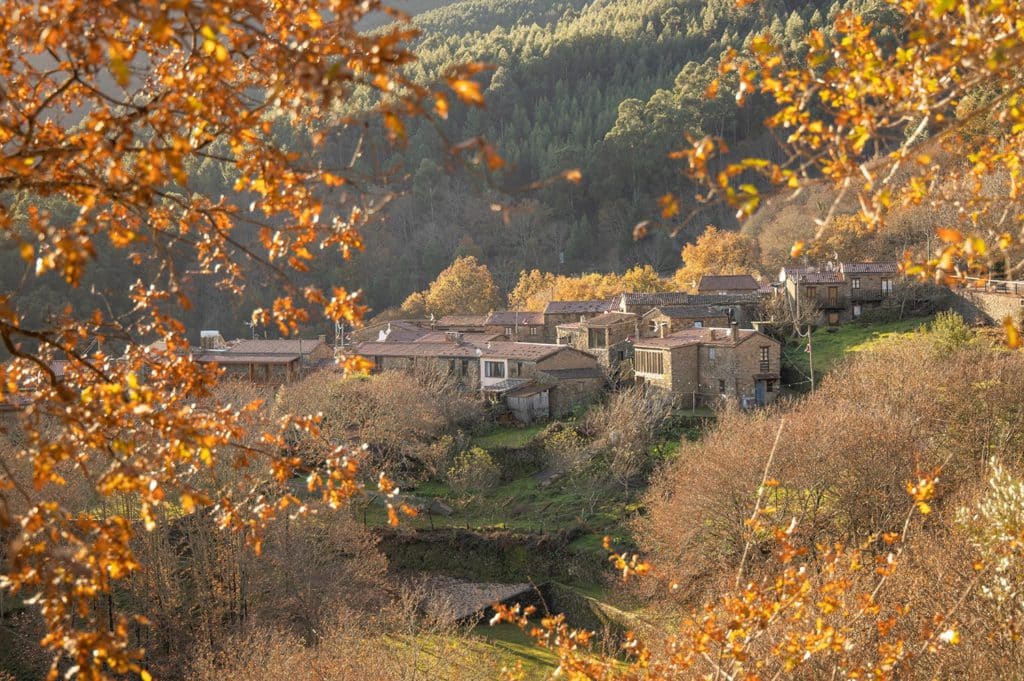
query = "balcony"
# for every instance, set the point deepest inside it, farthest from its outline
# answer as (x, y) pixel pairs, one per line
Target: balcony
(864, 295)
(766, 367)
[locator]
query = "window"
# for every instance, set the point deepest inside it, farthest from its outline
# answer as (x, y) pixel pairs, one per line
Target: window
(810, 292)
(855, 282)
(721, 385)
(598, 338)
(856, 311)
(508, 331)
(886, 286)
(698, 324)
(465, 367)
(649, 362)
(833, 295)
(451, 367)
(766, 362)
(770, 386)
(653, 326)
(533, 330)
(711, 353)
(494, 369)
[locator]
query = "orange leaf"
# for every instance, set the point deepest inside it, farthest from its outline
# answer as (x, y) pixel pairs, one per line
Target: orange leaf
(950, 236)
(669, 205)
(1013, 339)
(797, 250)
(574, 176)
(467, 90)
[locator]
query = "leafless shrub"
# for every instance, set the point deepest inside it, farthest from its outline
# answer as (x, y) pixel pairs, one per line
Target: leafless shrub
(844, 460)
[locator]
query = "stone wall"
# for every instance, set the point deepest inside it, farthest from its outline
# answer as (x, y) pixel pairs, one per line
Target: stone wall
(982, 307)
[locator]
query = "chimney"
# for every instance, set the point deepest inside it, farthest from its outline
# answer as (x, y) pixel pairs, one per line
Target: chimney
(453, 337)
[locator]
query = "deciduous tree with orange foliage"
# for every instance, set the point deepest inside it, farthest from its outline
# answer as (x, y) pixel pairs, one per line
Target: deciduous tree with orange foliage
(932, 118)
(717, 252)
(535, 289)
(104, 108)
(465, 286)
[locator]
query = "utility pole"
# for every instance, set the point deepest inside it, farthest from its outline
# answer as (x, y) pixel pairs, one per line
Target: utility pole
(810, 353)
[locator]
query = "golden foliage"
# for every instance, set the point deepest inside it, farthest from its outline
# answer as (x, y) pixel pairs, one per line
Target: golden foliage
(105, 108)
(717, 252)
(935, 120)
(535, 288)
(465, 287)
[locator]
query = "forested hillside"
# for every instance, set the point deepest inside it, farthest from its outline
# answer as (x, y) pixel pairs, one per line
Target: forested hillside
(609, 87)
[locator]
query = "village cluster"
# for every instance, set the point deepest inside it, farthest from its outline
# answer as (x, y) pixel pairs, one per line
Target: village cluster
(705, 348)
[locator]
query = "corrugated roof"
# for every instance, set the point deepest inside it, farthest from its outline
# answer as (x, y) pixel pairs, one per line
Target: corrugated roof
(467, 337)
(610, 318)
(822, 278)
(528, 390)
(726, 282)
(452, 350)
(706, 336)
(523, 351)
(281, 346)
(576, 306)
(567, 374)
(722, 299)
(515, 317)
(655, 298)
(870, 267)
(686, 312)
(233, 358)
(462, 320)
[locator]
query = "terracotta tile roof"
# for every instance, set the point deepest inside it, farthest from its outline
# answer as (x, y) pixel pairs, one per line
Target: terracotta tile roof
(869, 267)
(576, 306)
(655, 298)
(609, 318)
(283, 346)
(515, 317)
(686, 312)
(706, 336)
(726, 282)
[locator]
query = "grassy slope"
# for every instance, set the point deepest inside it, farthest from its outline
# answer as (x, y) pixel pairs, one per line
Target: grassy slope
(832, 345)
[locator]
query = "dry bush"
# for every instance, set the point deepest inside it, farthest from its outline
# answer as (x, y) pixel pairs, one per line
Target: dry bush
(623, 429)
(394, 644)
(844, 458)
(397, 414)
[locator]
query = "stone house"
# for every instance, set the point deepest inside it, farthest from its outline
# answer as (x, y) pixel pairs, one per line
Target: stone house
(516, 325)
(566, 311)
(842, 292)
(641, 303)
(269, 361)
(727, 284)
(606, 336)
(662, 321)
(709, 365)
(871, 284)
(565, 377)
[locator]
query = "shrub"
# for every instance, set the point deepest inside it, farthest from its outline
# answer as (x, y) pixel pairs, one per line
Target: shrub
(949, 332)
(473, 472)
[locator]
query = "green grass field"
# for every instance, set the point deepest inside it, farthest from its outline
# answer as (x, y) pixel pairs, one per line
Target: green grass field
(831, 345)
